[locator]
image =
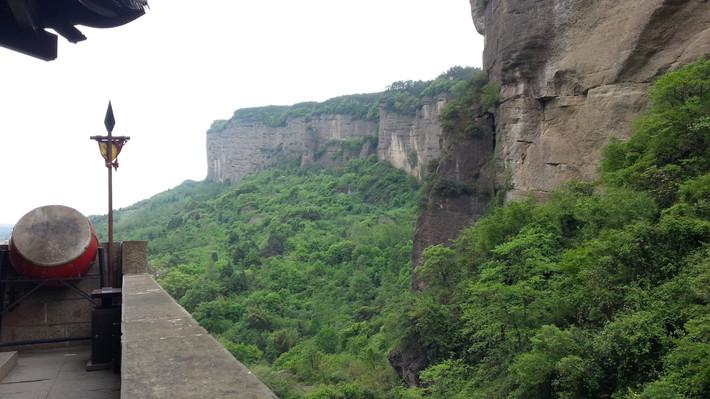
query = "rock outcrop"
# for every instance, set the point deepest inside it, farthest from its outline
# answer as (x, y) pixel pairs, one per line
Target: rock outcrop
(411, 142)
(461, 188)
(238, 147)
(574, 73)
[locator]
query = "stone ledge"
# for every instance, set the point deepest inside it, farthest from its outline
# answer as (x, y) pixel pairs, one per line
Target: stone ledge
(166, 354)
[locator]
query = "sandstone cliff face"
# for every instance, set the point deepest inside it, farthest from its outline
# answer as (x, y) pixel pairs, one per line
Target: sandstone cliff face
(409, 142)
(242, 147)
(574, 73)
(462, 187)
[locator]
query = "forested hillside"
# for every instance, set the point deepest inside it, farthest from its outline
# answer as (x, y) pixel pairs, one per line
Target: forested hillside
(402, 96)
(295, 270)
(601, 292)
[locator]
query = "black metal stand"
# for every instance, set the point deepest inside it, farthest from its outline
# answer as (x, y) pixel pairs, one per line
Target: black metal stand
(105, 317)
(42, 283)
(106, 330)
(4, 264)
(8, 303)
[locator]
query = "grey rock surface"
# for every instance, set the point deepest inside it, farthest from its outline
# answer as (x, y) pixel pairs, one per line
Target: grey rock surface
(408, 142)
(243, 147)
(574, 73)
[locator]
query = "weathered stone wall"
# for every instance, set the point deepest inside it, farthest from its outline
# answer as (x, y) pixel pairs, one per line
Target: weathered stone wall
(574, 73)
(165, 354)
(49, 312)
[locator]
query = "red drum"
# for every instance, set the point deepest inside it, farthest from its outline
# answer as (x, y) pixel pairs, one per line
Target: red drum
(53, 241)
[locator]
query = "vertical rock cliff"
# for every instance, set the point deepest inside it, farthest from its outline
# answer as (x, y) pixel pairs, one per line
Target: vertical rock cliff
(238, 147)
(410, 142)
(461, 188)
(574, 73)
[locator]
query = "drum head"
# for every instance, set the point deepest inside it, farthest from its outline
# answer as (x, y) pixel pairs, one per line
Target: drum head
(52, 235)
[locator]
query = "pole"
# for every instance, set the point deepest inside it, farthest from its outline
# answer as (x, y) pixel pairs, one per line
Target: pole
(109, 154)
(113, 275)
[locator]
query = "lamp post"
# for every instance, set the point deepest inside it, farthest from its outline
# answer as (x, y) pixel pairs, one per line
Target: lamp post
(110, 146)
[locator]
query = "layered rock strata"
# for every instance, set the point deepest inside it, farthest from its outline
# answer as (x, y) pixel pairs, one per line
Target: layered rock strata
(242, 146)
(574, 73)
(410, 142)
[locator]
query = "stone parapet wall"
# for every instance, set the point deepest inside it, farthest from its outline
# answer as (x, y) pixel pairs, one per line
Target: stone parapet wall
(167, 355)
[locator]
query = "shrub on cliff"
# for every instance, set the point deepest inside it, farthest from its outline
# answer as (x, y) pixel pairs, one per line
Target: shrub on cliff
(470, 98)
(404, 97)
(671, 142)
(356, 105)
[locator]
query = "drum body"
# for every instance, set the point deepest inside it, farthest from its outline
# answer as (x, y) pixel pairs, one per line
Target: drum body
(52, 242)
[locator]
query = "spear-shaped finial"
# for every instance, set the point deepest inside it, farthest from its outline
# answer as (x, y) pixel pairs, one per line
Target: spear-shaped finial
(109, 120)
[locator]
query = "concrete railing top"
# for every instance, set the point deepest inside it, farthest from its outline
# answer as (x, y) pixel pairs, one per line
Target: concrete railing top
(166, 354)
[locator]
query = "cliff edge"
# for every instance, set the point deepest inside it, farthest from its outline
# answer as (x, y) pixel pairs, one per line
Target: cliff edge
(401, 125)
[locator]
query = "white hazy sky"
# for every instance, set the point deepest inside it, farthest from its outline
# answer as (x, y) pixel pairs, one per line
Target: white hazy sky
(186, 63)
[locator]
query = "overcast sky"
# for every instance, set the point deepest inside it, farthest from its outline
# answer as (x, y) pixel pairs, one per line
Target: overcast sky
(187, 63)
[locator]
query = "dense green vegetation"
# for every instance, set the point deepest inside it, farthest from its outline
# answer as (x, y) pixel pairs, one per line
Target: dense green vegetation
(404, 97)
(602, 291)
(294, 270)
(363, 106)
(470, 98)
